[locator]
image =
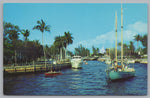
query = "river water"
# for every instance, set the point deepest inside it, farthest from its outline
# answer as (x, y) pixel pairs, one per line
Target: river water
(90, 80)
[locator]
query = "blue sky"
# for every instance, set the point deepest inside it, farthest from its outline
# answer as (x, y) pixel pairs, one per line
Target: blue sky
(91, 24)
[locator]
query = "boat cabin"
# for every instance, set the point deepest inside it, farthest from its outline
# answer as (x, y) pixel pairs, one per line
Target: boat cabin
(76, 57)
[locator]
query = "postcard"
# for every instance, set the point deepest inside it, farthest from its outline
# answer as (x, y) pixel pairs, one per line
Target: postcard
(80, 49)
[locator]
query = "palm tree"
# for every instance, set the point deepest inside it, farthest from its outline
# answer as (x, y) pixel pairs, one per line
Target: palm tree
(68, 40)
(13, 31)
(26, 34)
(42, 27)
(137, 38)
(60, 43)
(131, 48)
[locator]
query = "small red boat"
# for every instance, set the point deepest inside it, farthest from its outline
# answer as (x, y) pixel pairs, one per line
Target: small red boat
(53, 73)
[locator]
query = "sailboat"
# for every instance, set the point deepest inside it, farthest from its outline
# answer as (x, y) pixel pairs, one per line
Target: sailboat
(123, 71)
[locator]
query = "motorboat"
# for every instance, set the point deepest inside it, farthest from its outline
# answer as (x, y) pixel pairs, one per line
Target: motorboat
(76, 62)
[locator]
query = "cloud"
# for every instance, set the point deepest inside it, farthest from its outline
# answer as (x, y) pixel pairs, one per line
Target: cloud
(108, 39)
(138, 27)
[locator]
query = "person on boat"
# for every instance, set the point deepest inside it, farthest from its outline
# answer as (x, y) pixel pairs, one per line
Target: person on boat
(117, 66)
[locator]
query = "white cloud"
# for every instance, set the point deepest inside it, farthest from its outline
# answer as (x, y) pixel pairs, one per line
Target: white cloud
(138, 27)
(108, 39)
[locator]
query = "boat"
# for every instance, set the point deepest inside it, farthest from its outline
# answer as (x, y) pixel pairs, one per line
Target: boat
(52, 73)
(131, 61)
(121, 71)
(108, 61)
(85, 62)
(143, 61)
(76, 62)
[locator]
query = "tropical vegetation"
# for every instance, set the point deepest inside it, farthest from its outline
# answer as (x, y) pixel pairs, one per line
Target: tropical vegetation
(23, 51)
(42, 27)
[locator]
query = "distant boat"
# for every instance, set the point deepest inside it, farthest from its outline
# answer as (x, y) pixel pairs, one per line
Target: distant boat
(119, 72)
(143, 61)
(76, 62)
(85, 62)
(130, 61)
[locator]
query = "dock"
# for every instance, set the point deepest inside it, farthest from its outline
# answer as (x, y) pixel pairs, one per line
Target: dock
(13, 70)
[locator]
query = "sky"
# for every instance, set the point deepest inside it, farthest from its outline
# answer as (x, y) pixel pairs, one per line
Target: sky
(91, 24)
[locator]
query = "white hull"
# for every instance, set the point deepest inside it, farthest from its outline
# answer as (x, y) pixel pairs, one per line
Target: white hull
(131, 61)
(108, 62)
(75, 63)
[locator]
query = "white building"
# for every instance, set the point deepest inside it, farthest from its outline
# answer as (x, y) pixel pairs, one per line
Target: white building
(102, 50)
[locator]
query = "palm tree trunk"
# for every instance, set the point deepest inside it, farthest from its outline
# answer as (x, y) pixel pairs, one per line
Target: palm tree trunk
(43, 49)
(66, 51)
(137, 44)
(60, 54)
(26, 50)
(15, 58)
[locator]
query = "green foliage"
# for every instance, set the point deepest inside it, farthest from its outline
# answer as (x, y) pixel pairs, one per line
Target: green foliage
(25, 33)
(143, 40)
(25, 50)
(68, 38)
(112, 53)
(137, 38)
(69, 53)
(59, 41)
(95, 50)
(42, 26)
(62, 42)
(82, 51)
(144, 43)
(131, 48)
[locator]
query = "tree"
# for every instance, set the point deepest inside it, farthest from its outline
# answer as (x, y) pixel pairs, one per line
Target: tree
(68, 40)
(53, 51)
(25, 33)
(95, 50)
(144, 43)
(112, 53)
(11, 36)
(42, 27)
(69, 53)
(60, 43)
(137, 38)
(131, 48)
(82, 51)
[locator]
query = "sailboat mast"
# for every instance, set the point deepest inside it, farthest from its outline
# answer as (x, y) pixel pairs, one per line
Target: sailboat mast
(122, 36)
(109, 52)
(116, 39)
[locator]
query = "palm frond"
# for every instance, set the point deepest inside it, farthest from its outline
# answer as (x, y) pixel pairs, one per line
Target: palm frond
(39, 22)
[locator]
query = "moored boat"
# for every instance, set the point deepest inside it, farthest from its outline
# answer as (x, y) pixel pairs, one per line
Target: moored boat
(119, 72)
(53, 73)
(76, 62)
